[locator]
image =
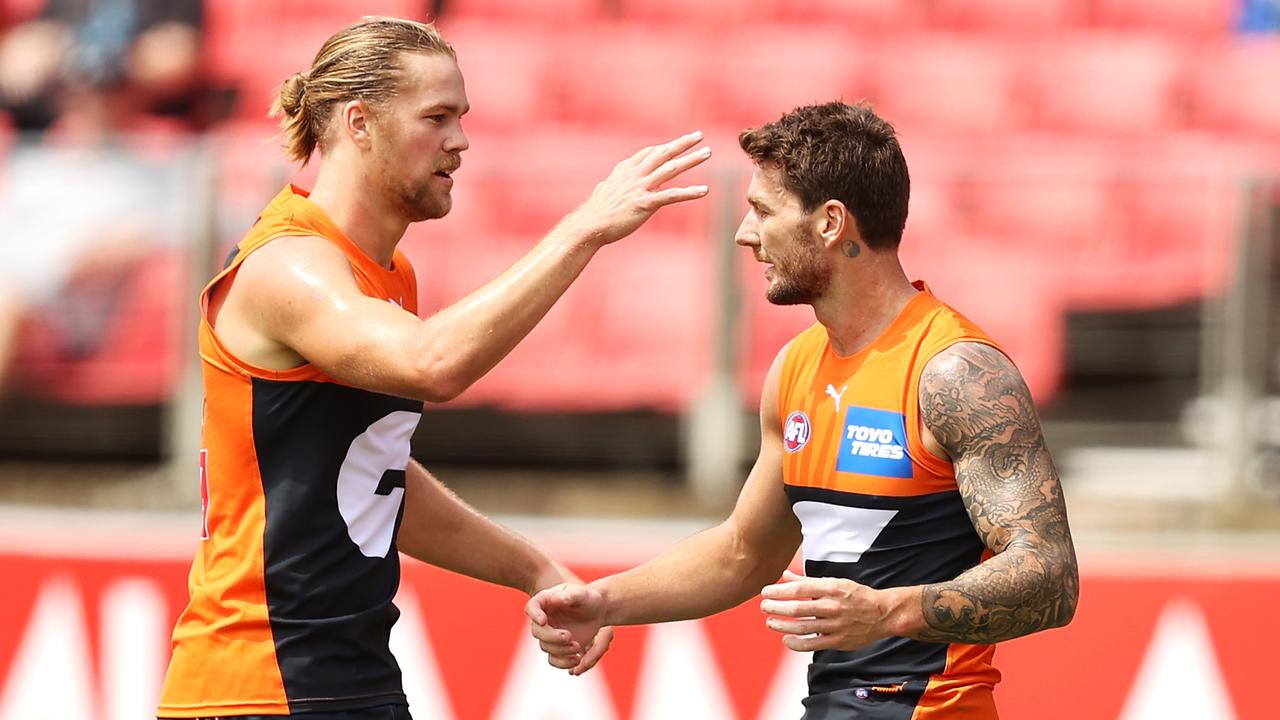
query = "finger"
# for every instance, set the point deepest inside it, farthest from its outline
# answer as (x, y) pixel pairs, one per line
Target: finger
(677, 165)
(653, 157)
(546, 633)
(788, 576)
(558, 649)
(796, 608)
(798, 590)
(563, 662)
(806, 626)
(808, 643)
(589, 659)
(671, 196)
(564, 596)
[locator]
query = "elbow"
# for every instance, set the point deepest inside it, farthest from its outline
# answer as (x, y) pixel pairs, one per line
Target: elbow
(1068, 598)
(438, 384)
(437, 381)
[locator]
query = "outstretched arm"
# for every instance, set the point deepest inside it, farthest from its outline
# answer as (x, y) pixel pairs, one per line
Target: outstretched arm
(296, 300)
(976, 405)
(440, 529)
(712, 571)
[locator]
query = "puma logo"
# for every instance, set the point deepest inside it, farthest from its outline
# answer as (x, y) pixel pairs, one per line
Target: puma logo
(831, 390)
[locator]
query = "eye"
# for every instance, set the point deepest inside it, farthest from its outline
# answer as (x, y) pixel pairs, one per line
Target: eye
(437, 118)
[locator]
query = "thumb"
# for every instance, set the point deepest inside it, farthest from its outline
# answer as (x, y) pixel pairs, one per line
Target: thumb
(570, 596)
(788, 576)
(534, 610)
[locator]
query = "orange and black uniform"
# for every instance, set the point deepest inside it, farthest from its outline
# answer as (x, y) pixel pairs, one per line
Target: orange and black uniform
(303, 487)
(878, 508)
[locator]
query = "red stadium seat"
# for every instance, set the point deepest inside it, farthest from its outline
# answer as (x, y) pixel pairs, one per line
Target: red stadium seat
(256, 44)
(1234, 89)
(1179, 241)
(861, 16)
(629, 333)
(16, 11)
(1058, 205)
(750, 87)
(508, 71)
(1024, 16)
(610, 75)
(1186, 17)
(948, 83)
(715, 13)
(1106, 83)
(557, 13)
(1010, 293)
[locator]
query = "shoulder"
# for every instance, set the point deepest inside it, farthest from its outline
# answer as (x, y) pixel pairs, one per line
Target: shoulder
(971, 390)
(284, 260)
(967, 362)
(291, 274)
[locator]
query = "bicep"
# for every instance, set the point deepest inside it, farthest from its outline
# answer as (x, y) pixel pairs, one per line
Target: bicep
(304, 294)
(977, 406)
(762, 515)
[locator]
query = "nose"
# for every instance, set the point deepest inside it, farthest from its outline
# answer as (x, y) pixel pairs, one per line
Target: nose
(748, 234)
(457, 141)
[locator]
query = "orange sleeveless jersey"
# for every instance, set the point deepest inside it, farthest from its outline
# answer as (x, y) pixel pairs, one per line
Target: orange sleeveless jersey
(302, 483)
(878, 508)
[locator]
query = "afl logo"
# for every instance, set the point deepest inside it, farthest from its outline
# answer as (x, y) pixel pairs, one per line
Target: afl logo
(795, 433)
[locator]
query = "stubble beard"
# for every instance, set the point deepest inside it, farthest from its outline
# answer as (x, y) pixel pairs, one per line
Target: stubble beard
(421, 203)
(801, 279)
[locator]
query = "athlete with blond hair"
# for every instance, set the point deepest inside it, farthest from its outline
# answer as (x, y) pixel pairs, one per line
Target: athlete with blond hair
(316, 368)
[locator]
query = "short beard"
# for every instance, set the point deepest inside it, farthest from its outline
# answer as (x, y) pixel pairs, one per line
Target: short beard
(807, 279)
(418, 204)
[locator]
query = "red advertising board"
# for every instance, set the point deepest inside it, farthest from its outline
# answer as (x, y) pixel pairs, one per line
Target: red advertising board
(84, 634)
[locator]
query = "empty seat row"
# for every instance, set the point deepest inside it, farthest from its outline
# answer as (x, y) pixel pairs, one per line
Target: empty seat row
(1189, 17)
(614, 76)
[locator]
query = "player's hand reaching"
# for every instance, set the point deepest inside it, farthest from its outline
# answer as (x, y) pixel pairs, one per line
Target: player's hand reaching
(827, 613)
(633, 192)
(568, 622)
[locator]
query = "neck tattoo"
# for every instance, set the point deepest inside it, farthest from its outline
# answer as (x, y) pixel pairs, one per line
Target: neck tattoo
(851, 249)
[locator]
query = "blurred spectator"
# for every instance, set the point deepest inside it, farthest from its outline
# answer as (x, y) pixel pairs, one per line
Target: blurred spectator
(75, 221)
(128, 57)
(1260, 16)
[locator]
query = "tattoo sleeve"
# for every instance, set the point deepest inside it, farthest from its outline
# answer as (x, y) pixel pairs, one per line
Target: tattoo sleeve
(977, 406)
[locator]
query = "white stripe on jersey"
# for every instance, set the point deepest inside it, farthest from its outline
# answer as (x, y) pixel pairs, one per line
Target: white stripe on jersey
(838, 533)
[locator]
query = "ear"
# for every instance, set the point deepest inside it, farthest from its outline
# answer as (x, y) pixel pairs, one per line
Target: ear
(355, 123)
(832, 222)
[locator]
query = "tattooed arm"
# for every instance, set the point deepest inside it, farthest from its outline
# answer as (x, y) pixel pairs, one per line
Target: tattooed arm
(976, 406)
(976, 409)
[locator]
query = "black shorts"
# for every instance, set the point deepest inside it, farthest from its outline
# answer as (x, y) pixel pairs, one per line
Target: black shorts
(382, 712)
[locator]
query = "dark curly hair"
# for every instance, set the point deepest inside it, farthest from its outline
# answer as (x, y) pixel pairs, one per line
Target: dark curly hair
(838, 151)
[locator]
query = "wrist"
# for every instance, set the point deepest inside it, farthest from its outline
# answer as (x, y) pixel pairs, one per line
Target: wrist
(904, 616)
(578, 233)
(608, 612)
(547, 573)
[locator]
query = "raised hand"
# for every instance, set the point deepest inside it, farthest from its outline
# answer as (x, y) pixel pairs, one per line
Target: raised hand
(632, 193)
(825, 613)
(568, 622)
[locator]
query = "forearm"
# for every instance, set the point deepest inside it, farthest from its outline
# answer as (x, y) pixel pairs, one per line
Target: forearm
(462, 342)
(1018, 592)
(440, 529)
(702, 575)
